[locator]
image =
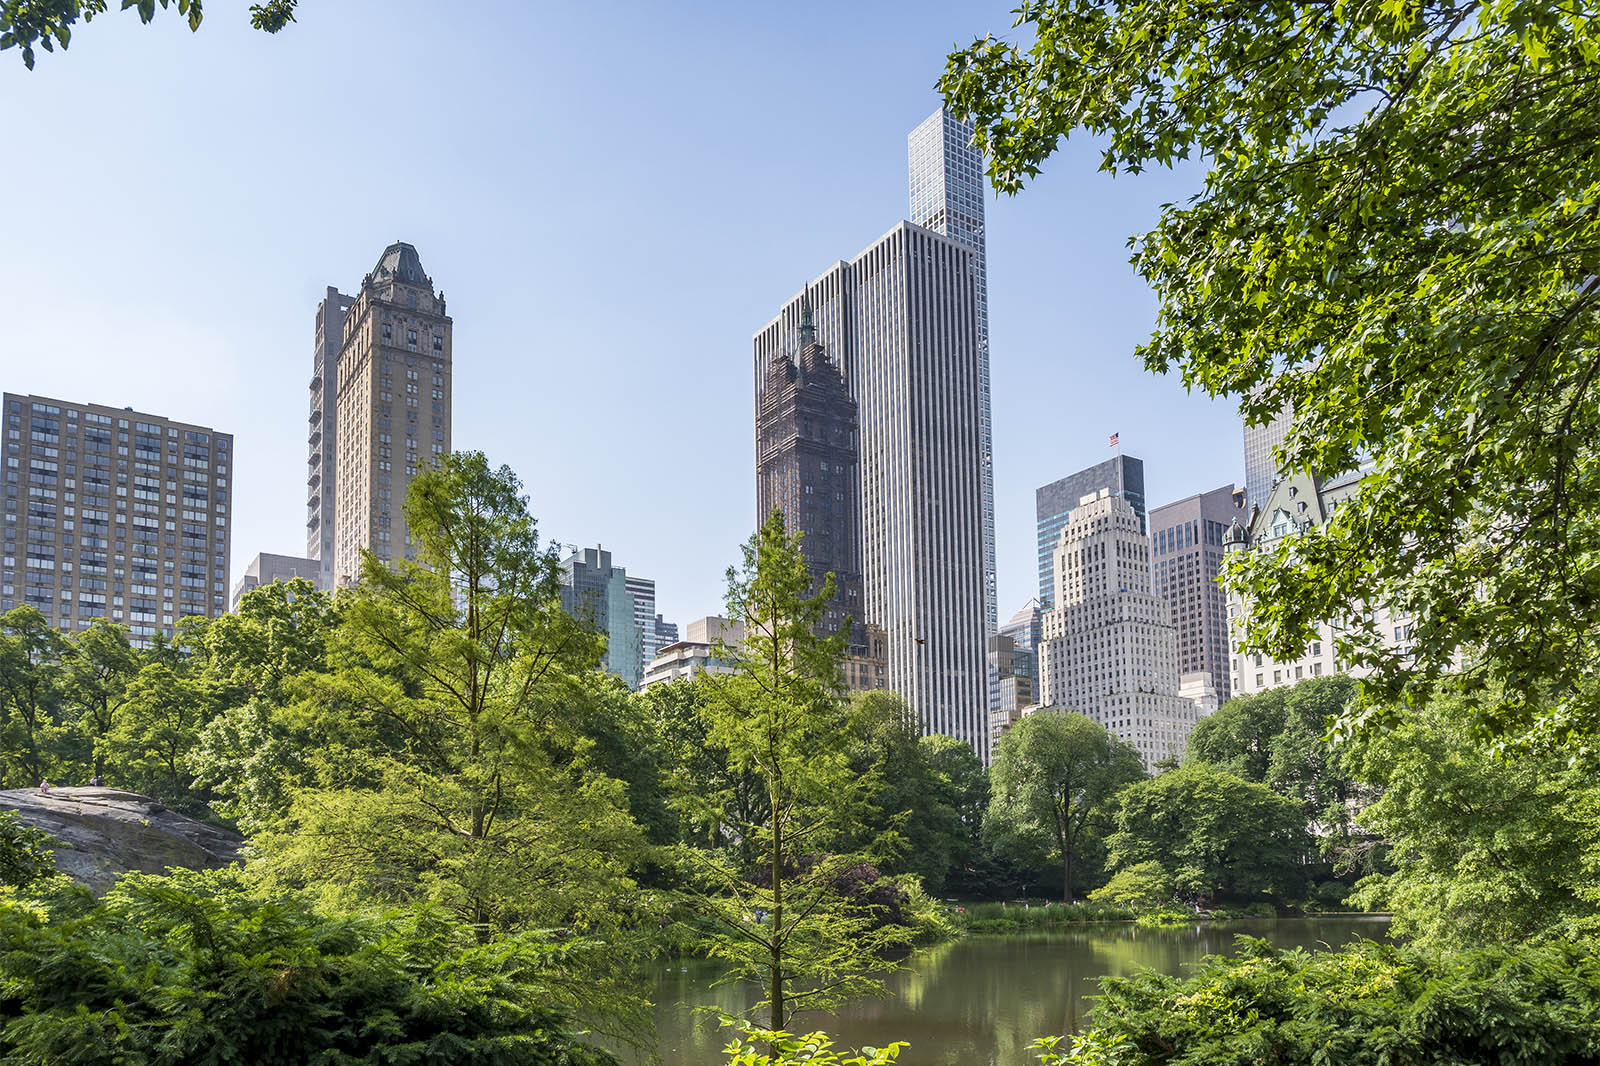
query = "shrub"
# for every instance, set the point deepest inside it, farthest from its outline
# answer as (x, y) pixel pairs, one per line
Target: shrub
(1367, 1005)
(191, 968)
(769, 1047)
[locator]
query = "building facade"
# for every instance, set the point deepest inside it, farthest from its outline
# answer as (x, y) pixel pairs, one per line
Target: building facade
(900, 323)
(643, 591)
(666, 632)
(1121, 475)
(1260, 465)
(393, 413)
(1295, 505)
(696, 653)
(807, 469)
(321, 451)
(1187, 549)
(266, 568)
(596, 592)
(112, 513)
(1109, 648)
(946, 182)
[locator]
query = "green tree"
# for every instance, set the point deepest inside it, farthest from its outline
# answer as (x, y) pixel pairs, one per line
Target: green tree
(31, 729)
(147, 747)
(1217, 833)
(277, 633)
(455, 773)
(1142, 886)
(1052, 771)
(808, 923)
(1488, 848)
(99, 670)
(192, 968)
(707, 797)
(1397, 238)
(911, 822)
(1280, 738)
(48, 23)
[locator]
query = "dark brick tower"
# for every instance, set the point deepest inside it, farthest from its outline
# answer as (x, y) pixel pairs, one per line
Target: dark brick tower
(807, 468)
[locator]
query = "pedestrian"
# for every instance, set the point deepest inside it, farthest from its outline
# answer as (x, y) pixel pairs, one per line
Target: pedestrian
(44, 785)
(95, 780)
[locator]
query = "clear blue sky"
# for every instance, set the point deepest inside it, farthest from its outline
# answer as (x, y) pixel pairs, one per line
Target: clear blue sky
(614, 197)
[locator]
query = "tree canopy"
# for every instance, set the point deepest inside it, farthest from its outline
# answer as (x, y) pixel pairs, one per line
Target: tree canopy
(1052, 772)
(48, 23)
(1396, 238)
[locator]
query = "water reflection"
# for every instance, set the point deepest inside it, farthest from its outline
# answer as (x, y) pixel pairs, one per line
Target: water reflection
(979, 1002)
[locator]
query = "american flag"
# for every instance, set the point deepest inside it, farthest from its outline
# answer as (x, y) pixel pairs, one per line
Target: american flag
(1114, 438)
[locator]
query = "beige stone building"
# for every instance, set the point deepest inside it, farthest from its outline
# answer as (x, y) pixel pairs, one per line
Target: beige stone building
(111, 513)
(1109, 648)
(393, 413)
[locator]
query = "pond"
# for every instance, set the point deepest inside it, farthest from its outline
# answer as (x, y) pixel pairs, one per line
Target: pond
(982, 1000)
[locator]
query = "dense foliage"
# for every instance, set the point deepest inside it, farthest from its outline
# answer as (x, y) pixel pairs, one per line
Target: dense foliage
(1053, 773)
(1397, 238)
(25, 852)
(1368, 1004)
(194, 968)
(1215, 834)
(1489, 847)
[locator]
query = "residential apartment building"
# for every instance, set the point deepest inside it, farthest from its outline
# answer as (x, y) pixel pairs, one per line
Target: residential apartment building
(696, 653)
(113, 513)
(321, 451)
(595, 591)
(1295, 505)
(1109, 648)
(1187, 549)
(266, 568)
(393, 413)
(1121, 475)
(899, 323)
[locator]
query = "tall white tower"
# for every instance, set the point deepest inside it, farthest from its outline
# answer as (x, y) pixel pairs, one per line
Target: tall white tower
(1110, 650)
(946, 181)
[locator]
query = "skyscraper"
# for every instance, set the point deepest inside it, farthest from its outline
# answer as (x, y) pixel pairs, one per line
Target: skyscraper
(807, 468)
(1260, 468)
(595, 591)
(110, 513)
(393, 406)
(1121, 475)
(899, 321)
(643, 591)
(945, 177)
(1187, 548)
(322, 454)
(1110, 651)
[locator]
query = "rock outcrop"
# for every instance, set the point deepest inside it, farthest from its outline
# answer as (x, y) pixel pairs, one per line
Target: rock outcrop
(103, 833)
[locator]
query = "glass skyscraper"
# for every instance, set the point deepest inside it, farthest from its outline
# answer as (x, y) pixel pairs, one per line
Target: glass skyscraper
(947, 186)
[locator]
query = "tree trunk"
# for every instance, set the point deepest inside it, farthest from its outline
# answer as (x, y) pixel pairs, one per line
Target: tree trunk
(1066, 874)
(776, 972)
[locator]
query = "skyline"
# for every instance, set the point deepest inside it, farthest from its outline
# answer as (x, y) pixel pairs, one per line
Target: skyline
(605, 305)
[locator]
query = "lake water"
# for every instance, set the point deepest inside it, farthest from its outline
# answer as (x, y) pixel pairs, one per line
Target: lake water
(982, 1000)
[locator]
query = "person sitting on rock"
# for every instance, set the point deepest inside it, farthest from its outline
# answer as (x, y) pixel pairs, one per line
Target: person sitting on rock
(44, 785)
